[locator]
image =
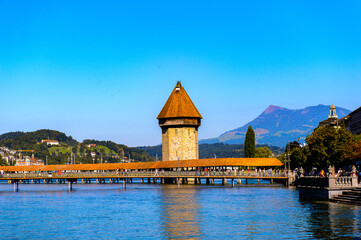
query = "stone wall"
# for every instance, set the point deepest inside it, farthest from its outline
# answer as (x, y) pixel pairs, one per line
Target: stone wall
(324, 188)
(179, 142)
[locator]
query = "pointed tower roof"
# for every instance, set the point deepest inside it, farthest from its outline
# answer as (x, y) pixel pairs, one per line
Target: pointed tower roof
(179, 105)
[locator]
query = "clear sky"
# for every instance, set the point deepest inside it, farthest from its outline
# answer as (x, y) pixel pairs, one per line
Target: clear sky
(104, 69)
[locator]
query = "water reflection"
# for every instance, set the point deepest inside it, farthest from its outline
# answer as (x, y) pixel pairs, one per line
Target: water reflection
(180, 213)
(330, 220)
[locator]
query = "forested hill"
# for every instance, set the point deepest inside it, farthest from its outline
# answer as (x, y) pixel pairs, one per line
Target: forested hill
(22, 141)
(123, 150)
(219, 150)
(105, 151)
(10, 135)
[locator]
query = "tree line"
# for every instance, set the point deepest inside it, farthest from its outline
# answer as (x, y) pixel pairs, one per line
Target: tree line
(326, 146)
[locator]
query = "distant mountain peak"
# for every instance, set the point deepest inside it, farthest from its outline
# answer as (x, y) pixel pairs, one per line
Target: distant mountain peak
(272, 108)
(277, 125)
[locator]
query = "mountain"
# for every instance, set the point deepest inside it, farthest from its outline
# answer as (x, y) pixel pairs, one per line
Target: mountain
(277, 125)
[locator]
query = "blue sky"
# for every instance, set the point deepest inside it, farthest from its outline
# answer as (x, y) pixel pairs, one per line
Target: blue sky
(104, 69)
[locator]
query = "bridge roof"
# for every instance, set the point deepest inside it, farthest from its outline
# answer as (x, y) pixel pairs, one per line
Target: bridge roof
(179, 105)
(211, 162)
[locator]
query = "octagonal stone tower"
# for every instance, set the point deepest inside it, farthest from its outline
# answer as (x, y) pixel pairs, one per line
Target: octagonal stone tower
(179, 120)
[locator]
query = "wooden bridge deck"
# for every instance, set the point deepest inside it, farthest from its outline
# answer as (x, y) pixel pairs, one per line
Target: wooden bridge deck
(150, 174)
(185, 177)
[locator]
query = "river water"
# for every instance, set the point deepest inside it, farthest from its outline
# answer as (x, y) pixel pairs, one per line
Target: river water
(155, 211)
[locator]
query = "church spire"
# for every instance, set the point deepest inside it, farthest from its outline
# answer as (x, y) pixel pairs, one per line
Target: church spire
(333, 112)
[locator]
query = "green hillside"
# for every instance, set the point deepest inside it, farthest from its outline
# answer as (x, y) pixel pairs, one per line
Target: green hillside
(69, 148)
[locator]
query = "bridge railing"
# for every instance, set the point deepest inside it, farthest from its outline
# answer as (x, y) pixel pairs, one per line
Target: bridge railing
(144, 174)
(327, 182)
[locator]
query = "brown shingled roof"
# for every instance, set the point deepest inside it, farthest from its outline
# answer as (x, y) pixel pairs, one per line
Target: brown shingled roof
(178, 105)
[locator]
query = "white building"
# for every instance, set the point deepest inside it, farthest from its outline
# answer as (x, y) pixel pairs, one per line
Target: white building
(50, 142)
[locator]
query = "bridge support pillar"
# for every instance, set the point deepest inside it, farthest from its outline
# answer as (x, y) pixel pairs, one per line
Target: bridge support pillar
(258, 180)
(70, 185)
(16, 186)
(212, 181)
(239, 181)
(246, 181)
(207, 181)
(124, 184)
(195, 181)
(142, 180)
(148, 180)
(232, 182)
(224, 181)
(271, 180)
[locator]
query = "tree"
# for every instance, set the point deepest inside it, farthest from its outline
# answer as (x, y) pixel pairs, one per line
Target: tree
(249, 143)
(74, 150)
(298, 157)
(297, 154)
(292, 145)
(2, 162)
(353, 148)
(263, 152)
(327, 145)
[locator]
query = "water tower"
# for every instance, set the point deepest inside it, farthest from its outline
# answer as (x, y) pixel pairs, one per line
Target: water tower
(179, 120)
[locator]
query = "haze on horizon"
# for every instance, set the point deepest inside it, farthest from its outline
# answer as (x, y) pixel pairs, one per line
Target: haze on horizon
(103, 70)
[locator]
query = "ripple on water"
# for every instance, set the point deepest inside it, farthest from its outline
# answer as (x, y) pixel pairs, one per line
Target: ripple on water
(148, 211)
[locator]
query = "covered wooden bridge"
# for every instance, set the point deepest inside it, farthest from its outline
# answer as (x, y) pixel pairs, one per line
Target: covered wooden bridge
(182, 171)
(198, 163)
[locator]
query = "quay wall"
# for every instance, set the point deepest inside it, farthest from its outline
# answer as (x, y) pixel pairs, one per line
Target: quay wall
(324, 188)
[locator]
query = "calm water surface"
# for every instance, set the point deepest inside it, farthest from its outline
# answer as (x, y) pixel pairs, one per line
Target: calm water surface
(152, 211)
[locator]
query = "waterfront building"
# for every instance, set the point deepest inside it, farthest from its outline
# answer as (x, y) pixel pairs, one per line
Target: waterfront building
(354, 122)
(332, 118)
(29, 161)
(179, 120)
